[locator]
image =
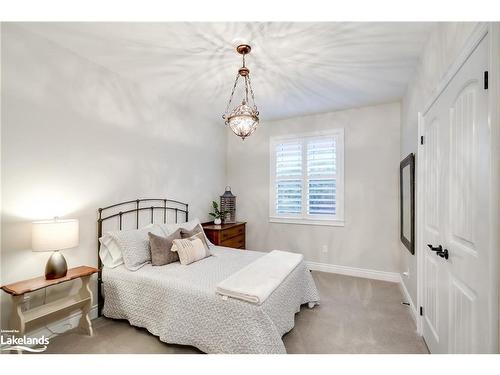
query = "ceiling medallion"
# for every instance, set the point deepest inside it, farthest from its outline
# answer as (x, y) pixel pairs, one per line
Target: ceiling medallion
(244, 119)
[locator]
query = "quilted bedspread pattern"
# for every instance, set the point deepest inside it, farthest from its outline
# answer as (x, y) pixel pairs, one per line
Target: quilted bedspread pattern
(179, 304)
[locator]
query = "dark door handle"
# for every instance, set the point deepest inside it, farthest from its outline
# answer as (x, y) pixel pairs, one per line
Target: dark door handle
(437, 248)
(443, 254)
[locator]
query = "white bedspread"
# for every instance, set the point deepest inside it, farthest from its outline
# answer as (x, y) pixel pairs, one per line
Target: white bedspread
(179, 303)
(256, 281)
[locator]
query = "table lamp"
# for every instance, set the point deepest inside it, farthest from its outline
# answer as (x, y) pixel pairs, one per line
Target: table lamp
(54, 235)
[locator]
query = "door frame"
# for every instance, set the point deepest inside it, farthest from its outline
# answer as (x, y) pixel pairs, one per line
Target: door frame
(482, 30)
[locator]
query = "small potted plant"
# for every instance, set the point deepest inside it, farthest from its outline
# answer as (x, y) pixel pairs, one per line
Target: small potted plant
(217, 214)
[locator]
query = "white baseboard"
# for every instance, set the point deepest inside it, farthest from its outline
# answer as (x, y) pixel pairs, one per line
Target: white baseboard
(62, 325)
(413, 308)
(369, 274)
(392, 277)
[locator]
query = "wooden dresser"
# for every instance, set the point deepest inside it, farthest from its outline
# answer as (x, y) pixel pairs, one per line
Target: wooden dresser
(229, 235)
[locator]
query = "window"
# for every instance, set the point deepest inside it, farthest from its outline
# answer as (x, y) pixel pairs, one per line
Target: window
(307, 178)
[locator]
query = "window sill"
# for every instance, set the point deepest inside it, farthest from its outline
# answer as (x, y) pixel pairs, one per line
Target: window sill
(325, 222)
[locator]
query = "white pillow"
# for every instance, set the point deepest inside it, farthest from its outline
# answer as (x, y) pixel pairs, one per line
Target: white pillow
(130, 247)
(188, 225)
(109, 252)
(190, 249)
(171, 228)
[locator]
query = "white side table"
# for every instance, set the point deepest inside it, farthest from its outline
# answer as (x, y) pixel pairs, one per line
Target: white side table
(51, 311)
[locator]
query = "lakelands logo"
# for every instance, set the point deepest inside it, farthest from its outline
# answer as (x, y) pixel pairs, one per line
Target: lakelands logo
(29, 344)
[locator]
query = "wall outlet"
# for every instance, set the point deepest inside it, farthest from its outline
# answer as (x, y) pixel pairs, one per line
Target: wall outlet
(324, 249)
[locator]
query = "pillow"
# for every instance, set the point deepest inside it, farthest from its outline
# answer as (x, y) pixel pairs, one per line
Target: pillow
(109, 252)
(191, 249)
(170, 228)
(187, 226)
(186, 233)
(160, 248)
(134, 245)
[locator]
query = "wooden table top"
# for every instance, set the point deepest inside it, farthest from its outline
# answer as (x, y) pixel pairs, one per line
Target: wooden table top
(210, 225)
(36, 283)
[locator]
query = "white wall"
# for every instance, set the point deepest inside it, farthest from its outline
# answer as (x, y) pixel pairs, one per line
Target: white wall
(76, 137)
(370, 237)
(443, 47)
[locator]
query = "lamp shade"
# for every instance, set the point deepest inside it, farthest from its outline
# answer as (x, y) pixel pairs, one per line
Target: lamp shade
(243, 120)
(51, 235)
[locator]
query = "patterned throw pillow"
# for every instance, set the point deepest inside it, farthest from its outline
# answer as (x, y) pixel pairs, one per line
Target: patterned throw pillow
(185, 233)
(134, 245)
(161, 246)
(191, 249)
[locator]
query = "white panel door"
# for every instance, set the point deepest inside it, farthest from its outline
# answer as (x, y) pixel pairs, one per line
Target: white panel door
(435, 161)
(457, 284)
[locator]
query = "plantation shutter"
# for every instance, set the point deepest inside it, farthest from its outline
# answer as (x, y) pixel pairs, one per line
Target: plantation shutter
(288, 183)
(321, 176)
(307, 178)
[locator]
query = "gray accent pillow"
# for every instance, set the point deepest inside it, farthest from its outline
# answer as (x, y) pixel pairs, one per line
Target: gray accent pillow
(161, 253)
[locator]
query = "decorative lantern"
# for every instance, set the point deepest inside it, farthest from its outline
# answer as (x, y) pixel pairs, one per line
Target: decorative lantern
(228, 204)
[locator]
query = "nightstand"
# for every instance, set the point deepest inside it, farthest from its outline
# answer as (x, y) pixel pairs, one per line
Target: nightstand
(229, 235)
(43, 314)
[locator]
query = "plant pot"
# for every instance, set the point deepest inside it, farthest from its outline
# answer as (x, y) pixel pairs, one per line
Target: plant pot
(217, 221)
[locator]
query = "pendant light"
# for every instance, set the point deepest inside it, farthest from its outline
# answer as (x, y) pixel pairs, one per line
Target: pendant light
(244, 119)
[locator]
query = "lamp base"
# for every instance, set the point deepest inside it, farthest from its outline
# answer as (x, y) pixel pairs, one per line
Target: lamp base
(56, 266)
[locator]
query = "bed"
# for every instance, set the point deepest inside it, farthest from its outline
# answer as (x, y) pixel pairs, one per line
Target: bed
(178, 303)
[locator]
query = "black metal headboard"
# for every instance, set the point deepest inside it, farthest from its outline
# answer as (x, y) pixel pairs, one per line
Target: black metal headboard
(123, 210)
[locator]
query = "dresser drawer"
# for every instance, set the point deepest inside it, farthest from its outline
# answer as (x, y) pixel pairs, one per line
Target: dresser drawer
(236, 242)
(229, 235)
(232, 232)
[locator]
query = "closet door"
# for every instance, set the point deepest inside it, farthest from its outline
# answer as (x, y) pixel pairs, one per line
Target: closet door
(435, 270)
(468, 230)
(458, 298)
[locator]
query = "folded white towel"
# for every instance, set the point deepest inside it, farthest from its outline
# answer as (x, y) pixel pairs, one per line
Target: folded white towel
(255, 282)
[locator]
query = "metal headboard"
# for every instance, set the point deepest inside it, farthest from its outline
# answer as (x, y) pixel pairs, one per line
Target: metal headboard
(122, 210)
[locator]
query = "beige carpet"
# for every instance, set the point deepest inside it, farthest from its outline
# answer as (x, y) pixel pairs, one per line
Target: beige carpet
(355, 316)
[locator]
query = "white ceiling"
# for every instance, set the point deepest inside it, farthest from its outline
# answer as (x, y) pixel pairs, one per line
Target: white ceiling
(296, 68)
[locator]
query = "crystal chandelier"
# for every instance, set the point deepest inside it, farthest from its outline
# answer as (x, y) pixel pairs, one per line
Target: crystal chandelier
(244, 119)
